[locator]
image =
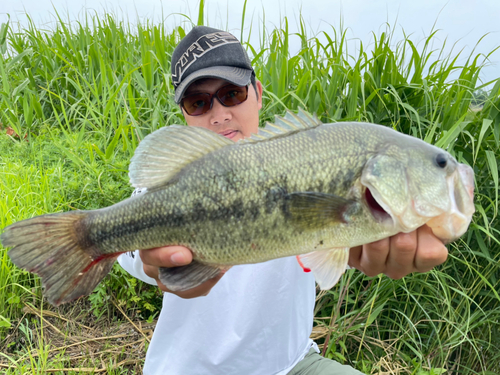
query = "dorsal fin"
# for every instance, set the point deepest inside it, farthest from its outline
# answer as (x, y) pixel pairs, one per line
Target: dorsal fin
(163, 153)
(283, 125)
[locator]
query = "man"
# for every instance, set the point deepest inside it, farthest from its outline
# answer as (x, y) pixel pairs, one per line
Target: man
(257, 318)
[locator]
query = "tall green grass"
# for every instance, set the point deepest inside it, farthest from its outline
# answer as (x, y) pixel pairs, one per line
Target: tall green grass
(85, 93)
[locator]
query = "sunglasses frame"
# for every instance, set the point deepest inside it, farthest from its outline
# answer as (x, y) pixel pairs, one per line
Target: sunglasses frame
(211, 98)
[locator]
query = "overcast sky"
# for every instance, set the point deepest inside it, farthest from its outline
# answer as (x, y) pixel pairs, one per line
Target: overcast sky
(459, 21)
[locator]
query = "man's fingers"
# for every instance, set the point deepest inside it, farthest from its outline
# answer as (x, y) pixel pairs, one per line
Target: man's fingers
(200, 290)
(403, 248)
(374, 257)
(151, 271)
(431, 251)
(355, 257)
(173, 256)
(170, 256)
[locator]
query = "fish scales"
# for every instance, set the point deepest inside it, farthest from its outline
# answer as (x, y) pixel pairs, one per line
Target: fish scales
(313, 191)
(236, 208)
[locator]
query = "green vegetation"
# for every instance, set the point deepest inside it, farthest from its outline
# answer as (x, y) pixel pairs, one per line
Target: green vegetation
(78, 99)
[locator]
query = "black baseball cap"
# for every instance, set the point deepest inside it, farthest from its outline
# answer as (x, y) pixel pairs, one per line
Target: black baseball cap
(209, 53)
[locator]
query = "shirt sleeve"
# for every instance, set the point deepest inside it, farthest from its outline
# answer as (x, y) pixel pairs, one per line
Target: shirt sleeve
(131, 261)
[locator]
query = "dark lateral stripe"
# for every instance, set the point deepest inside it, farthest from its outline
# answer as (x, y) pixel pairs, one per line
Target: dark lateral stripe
(174, 220)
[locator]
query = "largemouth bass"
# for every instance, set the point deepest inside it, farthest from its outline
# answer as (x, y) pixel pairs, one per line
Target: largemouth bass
(298, 187)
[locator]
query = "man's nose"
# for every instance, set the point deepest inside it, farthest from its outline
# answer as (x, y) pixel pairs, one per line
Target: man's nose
(219, 114)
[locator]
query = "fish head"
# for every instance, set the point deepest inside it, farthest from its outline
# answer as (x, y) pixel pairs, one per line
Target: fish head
(413, 183)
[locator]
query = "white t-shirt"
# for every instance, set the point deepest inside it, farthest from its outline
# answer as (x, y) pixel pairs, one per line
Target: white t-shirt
(255, 321)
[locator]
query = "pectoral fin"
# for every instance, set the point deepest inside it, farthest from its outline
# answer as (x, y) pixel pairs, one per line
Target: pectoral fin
(187, 277)
(327, 266)
(317, 210)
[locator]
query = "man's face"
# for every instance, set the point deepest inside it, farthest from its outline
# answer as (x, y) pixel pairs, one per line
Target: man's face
(236, 122)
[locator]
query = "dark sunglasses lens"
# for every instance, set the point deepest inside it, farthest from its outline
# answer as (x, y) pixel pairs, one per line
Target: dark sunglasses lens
(196, 104)
(232, 95)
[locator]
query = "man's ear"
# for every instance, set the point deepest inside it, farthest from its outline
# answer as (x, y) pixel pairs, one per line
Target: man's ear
(258, 85)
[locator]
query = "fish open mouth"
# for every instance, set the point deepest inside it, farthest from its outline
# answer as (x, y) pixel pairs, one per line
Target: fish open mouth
(376, 209)
(454, 222)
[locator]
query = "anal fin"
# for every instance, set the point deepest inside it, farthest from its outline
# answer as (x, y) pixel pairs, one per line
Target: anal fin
(178, 279)
(327, 265)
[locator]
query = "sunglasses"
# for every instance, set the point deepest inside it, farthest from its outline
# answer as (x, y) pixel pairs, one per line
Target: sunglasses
(200, 103)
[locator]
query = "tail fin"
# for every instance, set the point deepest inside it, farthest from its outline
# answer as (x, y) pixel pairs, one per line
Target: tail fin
(49, 246)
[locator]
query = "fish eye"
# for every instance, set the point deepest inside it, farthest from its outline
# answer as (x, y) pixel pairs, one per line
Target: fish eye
(441, 160)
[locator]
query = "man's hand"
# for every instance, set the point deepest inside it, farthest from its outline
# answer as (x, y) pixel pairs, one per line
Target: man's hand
(400, 255)
(396, 256)
(173, 256)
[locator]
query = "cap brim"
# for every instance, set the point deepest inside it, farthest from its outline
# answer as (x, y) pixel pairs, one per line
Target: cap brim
(236, 76)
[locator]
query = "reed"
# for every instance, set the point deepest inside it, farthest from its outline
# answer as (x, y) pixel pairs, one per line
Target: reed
(80, 97)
